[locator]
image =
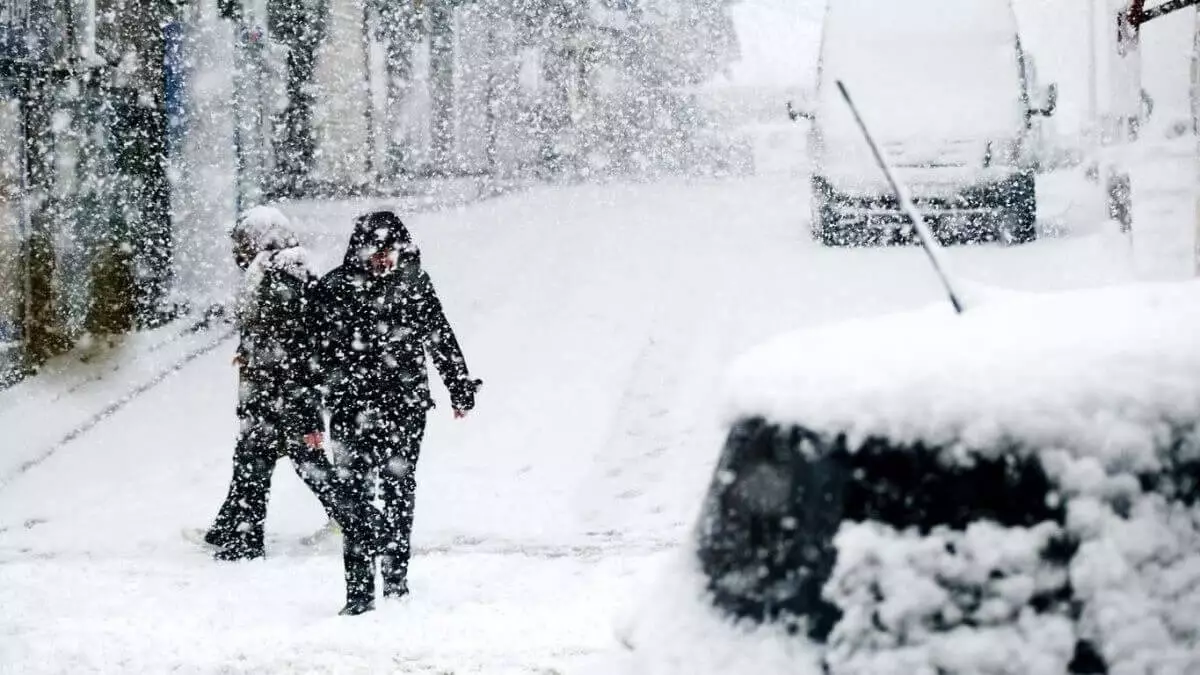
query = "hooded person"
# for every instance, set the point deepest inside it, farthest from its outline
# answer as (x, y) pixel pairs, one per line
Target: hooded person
(278, 401)
(380, 319)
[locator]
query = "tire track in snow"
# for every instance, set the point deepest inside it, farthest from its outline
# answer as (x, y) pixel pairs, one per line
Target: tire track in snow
(130, 396)
(634, 483)
(462, 546)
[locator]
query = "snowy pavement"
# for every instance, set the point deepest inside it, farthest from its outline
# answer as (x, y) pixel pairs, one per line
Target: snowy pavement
(601, 319)
(89, 384)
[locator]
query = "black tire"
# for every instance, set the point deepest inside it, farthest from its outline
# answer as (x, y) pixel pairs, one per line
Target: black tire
(832, 234)
(816, 226)
(824, 219)
(826, 228)
(1019, 225)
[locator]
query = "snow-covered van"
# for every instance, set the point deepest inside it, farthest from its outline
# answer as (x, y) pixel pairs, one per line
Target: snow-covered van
(1012, 491)
(948, 91)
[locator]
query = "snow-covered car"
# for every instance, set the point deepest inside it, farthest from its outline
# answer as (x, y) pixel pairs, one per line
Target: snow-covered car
(947, 90)
(1012, 491)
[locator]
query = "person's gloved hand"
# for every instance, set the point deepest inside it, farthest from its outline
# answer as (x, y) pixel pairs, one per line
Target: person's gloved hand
(462, 395)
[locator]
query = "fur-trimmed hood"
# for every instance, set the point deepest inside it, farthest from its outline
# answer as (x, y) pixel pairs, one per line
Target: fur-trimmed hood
(268, 235)
(264, 228)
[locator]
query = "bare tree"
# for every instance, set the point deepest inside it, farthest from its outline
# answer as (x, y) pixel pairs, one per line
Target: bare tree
(301, 26)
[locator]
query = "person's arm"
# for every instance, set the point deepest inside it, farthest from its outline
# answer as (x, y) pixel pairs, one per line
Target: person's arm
(306, 359)
(444, 348)
(329, 317)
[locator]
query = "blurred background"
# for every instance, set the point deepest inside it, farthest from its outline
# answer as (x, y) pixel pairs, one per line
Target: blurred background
(133, 133)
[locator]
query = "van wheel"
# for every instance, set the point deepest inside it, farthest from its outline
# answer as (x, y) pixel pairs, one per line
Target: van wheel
(825, 229)
(817, 230)
(816, 224)
(1020, 219)
(833, 237)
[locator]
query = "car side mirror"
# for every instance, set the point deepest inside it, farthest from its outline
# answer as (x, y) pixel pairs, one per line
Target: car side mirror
(1051, 102)
(795, 114)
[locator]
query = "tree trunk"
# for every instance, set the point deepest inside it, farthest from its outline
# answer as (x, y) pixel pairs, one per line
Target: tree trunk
(111, 307)
(43, 334)
(441, 57)
(402, 25)
(142, 157)
(301, 27)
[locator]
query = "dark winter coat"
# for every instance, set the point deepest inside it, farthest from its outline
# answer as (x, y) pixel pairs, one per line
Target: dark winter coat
(278, 376)
(377, 329)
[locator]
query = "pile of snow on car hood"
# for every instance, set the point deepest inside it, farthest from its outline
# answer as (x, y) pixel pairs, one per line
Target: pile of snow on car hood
(1109, 374)
(1104, 386)
(987, 601)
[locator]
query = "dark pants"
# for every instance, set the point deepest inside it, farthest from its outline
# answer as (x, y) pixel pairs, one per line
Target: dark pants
(262, 442)
(382, 448)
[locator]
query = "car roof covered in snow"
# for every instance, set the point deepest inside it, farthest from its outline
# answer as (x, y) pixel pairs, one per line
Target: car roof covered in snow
(1110, 373)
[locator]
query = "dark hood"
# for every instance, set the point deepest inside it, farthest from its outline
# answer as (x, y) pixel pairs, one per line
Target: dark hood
(376, 231)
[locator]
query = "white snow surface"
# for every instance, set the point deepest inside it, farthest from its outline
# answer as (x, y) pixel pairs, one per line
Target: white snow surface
(955, 602)
(909, 607)
(675, 631)
(601, 319)
(959, 602)
(1108, 374)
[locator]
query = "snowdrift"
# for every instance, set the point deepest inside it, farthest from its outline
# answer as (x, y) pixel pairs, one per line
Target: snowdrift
(1012, 491)
(1110, 375)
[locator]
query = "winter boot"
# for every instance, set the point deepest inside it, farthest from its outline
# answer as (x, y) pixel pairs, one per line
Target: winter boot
(242, 546)
(357, 606)
(394, 589)
(217, 538)
(360, 588)
(395, 576)
(360, 584)
(235, 552)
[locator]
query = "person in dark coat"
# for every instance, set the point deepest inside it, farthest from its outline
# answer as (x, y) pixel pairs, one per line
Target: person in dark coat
(381, 317)
(278, 399)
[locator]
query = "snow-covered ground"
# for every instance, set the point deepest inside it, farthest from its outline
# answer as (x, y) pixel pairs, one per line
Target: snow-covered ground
(601, 319)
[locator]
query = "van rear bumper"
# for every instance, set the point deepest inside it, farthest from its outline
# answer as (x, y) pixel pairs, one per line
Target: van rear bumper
(972, 212)
(891, 218)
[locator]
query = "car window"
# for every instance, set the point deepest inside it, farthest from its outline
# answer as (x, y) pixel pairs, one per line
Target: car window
(780, 494)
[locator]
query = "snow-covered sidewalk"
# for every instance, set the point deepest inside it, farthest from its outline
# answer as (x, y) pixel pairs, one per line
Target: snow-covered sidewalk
(77, 391)
(600, 318)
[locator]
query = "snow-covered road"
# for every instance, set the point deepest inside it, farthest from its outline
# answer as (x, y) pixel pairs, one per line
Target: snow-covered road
(600, 318)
